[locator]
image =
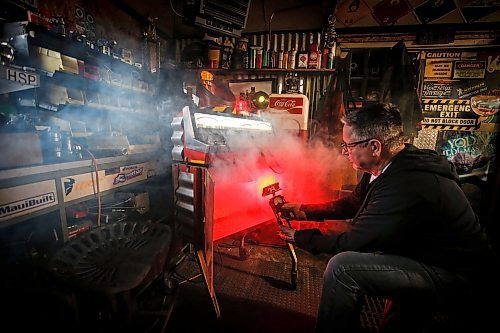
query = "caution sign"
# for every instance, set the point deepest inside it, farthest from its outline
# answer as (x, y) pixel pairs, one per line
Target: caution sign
(449, 114)
(438, 69)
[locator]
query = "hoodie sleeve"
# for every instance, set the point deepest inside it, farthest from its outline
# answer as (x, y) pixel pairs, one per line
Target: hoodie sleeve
(313, 240)
(341, 209)
(385, 217)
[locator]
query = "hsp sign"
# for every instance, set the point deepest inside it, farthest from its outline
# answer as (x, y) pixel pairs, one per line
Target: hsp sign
(19, 76)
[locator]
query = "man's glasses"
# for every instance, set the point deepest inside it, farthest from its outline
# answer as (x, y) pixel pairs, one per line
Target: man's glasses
(347, 146)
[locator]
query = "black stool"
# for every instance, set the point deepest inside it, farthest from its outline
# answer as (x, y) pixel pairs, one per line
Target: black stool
(110, 266)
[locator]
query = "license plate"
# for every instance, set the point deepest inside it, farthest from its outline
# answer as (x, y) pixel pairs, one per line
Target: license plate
(22, 77)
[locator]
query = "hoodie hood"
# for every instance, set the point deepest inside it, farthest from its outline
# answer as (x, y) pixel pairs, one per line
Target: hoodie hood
(424, 160)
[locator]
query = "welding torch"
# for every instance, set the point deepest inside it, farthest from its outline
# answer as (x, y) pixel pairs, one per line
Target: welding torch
(276, 202)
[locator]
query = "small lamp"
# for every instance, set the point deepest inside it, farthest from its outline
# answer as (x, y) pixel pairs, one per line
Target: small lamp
(261, 100)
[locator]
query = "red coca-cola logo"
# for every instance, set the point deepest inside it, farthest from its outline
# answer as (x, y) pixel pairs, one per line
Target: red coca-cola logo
(292, 105)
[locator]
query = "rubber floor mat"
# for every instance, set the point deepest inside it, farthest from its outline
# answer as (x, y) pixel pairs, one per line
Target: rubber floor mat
(270, 282)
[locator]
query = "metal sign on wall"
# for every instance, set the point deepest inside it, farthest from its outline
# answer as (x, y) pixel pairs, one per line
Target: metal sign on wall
(85, 184)
(26, 199)
(449, 114)
(460, 90)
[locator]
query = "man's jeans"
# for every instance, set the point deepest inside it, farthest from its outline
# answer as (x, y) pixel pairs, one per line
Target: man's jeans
(418, 290)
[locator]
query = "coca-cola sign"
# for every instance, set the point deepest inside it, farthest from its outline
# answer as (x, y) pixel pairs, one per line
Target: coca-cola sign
(293, 105)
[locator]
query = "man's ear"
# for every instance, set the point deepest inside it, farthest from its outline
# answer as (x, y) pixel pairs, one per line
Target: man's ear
(376, 147)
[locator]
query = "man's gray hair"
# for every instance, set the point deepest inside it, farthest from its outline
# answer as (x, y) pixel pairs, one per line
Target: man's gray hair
(380, 121)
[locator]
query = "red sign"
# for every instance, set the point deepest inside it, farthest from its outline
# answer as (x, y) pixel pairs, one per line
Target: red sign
(293, 105)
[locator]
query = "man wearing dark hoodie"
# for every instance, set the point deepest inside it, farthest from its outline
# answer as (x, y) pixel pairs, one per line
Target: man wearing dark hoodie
(413, 238)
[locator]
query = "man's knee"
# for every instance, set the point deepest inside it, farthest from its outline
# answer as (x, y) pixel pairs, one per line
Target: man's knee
(338, 264)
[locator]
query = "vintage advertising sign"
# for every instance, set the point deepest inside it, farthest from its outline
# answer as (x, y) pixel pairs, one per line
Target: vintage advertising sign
(25, 199)
(288, 111)
(81, 185)
(437, 89)
(469, 151)
(464, 69)
(449, 114)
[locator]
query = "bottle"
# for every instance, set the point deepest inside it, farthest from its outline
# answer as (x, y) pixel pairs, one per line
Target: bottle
(331, 58)
(265, 51)
(275, 52)
(313, 56)
(253, 57)
(286, 52)
(324, 58)
(281, 53)
(258, 59)
(302, 56)
(270, 53)
(291, 58)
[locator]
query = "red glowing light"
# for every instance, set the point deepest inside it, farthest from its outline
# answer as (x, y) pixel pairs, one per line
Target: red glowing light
(241, 105)
(265, 181)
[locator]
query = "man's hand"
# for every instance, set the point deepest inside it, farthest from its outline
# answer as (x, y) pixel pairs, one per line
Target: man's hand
(287, 234)
(292, 211)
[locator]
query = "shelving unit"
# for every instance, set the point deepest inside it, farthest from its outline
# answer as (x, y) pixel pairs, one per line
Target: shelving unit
(53, 180)
(96, 99)
(269, 70)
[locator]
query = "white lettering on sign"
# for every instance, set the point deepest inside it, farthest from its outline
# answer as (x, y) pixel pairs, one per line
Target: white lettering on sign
(285, 103)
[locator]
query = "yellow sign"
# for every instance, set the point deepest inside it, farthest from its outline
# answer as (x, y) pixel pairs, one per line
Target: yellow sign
(438, 69)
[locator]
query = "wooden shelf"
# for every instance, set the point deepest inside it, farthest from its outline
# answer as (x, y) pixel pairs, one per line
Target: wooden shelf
(267, 70)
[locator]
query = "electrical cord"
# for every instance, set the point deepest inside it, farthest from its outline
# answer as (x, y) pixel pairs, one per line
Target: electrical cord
(99, 204)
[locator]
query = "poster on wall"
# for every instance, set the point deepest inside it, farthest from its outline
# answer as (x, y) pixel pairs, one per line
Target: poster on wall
(464, 107)
(470, 152)
(467, 100)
